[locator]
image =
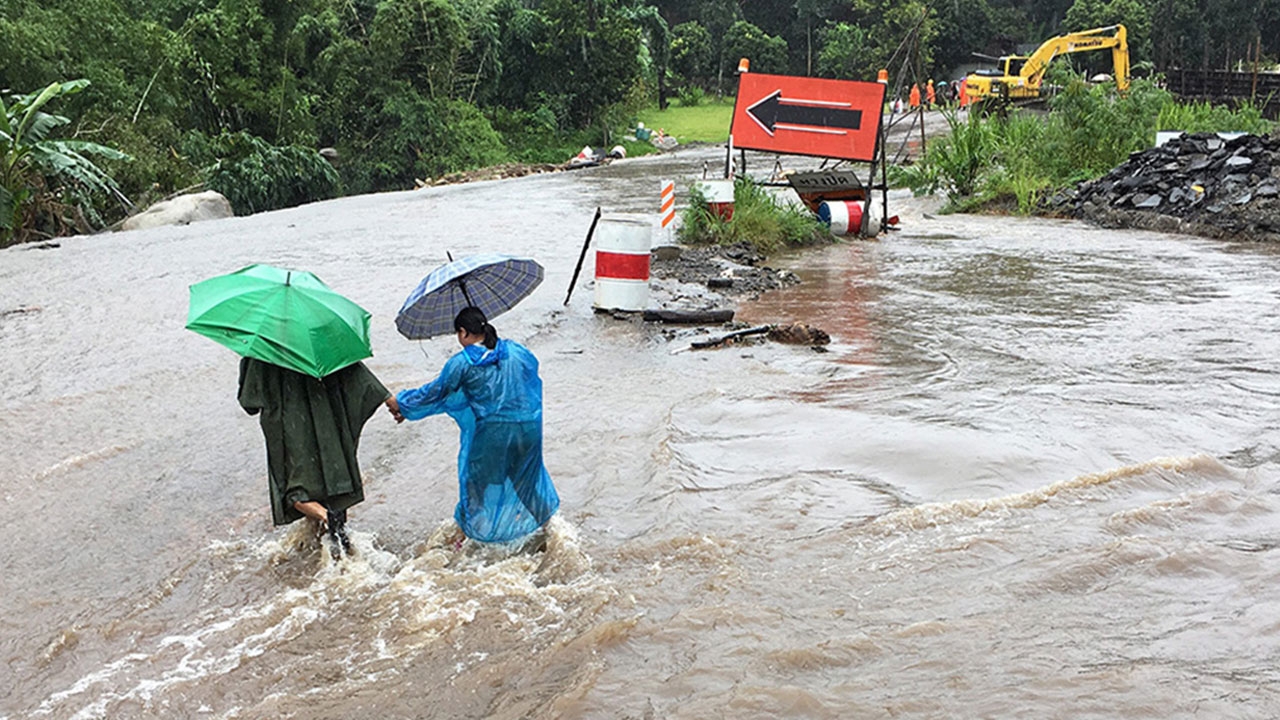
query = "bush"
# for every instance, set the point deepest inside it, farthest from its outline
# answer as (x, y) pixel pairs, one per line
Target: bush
(256, 176)
(691, 96)
(1204, 117)
(418, 138)
(160, 164)
(758, 218)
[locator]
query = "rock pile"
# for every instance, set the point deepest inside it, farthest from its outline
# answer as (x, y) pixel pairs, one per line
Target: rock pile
(1199, 184)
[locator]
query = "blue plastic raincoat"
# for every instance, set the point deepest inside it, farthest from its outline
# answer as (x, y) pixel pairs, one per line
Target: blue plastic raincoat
(495, 396)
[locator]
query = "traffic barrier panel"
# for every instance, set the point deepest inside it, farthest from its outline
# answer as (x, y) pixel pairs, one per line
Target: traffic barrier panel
(667, 207)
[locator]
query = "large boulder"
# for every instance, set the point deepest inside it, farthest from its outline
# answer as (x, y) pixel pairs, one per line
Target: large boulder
(182, 210)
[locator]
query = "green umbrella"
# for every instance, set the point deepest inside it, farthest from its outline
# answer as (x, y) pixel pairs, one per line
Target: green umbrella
(284, 317)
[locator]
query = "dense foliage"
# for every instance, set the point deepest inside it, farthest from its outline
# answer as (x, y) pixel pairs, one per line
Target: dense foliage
(405, 89)
(42, 177)
(255, 176)
(1089, 130)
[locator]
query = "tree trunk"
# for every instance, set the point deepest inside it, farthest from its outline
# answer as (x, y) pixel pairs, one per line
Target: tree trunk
(808, 44)
(662, 87)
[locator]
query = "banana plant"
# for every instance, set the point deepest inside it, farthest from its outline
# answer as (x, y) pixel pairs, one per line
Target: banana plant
(28, 156)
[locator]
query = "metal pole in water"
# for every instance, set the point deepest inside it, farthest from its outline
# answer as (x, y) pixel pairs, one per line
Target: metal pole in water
(582, 256)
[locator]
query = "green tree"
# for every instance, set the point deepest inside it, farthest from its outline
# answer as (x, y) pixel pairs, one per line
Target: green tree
(418, 43)
(693, 54)
(888, 24)
(572, 57)
(717, 16)
(41, 177)
(844, 50)
(768, 54)
(256, 176)
(658, 43)
(413, 137)
(976, 26)
(1087, 14)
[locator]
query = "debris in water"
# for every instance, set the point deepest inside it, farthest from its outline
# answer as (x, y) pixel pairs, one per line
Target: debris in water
(21, 310)
(789, 334)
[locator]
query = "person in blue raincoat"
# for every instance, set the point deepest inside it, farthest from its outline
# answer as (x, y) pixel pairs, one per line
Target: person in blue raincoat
(492, 390)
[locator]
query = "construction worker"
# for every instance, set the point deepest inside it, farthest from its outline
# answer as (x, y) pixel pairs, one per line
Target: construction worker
(964, 91)
(931, 93)
(914, 98)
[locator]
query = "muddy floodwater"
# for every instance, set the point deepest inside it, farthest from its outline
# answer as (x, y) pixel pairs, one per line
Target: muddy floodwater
(1037, 475)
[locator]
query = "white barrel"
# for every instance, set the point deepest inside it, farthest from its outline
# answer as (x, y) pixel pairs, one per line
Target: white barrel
(719, 195)
(623, 244)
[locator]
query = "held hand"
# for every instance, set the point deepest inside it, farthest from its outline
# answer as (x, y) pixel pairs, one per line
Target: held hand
(393, 407)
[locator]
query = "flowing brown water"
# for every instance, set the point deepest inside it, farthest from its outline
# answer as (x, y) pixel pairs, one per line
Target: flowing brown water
(1035, 476)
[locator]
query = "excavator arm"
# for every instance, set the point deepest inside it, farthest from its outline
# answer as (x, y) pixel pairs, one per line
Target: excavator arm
(1114, 37)
(1020, 77)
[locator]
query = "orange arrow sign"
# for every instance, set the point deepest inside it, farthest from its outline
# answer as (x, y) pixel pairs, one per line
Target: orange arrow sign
(821, 116)
(808, 116)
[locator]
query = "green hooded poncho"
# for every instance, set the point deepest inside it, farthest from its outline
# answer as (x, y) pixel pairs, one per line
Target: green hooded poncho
(312, 428)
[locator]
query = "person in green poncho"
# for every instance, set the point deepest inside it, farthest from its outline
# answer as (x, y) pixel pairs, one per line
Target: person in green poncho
(312, 428)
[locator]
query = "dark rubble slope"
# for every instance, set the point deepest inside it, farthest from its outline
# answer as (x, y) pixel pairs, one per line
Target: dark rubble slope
(1198, 184)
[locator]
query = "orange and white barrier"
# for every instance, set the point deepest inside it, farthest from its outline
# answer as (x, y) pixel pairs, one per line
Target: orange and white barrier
(667, 208)
(623, 244)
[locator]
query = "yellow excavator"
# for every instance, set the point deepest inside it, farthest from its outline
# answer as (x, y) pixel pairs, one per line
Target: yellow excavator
(1019, 77)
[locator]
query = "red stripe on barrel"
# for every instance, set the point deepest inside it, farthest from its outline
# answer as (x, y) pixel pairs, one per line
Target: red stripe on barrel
(622, 266)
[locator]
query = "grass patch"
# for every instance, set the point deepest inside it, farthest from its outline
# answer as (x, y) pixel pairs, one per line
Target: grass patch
(758, 218)
(706, 122)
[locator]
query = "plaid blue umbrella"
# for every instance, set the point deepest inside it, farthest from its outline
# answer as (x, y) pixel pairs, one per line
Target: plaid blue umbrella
(494, 283)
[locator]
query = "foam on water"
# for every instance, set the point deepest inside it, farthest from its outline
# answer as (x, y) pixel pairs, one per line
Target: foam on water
(402, 606)
(1160, 471)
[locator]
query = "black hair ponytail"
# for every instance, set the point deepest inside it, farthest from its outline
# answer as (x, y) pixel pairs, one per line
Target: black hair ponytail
(472, 320)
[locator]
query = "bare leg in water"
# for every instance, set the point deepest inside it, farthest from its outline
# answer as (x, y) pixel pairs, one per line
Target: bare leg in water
(313, 510)
(336, 529)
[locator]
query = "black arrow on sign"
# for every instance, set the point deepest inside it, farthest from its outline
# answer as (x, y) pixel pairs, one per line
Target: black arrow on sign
(804, 115)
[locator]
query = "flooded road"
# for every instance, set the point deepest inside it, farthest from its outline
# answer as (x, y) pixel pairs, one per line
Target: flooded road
(1036, 475)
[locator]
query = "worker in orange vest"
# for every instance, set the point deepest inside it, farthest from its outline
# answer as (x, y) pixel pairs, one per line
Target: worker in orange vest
(931, 93)
(914, 97)
(964, 91)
